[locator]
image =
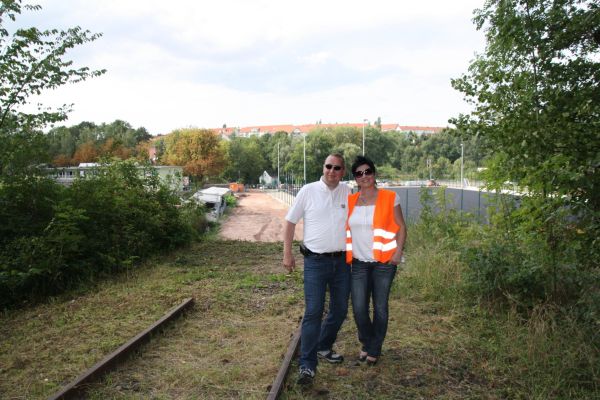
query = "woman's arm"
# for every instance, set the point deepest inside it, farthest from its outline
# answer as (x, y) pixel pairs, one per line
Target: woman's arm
(400, 235)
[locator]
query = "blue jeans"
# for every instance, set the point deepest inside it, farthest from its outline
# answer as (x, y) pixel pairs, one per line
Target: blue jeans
(371, 280)
(319, 273)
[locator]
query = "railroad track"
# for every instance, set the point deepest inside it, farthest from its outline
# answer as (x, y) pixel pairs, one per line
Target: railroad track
(279, 381)
(76, 389)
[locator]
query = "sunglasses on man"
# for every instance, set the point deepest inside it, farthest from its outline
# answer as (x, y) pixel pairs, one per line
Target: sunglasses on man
(360, 174)
(335, 167)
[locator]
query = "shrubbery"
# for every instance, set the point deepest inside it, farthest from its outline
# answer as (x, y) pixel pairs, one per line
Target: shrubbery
(539, 253)
(526, 256)
(526, 288)
(52, 237)
(230, 200)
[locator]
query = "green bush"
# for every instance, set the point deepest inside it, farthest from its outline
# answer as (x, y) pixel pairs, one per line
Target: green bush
(524, 289)
(193, 215)
(230, 200)
(503, 267)
(101, 224)
(537, 253)
(434, 269)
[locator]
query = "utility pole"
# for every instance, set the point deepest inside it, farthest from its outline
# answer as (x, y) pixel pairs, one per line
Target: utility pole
(304, 137)
(363, 136)
(462, 164)
(429, 167)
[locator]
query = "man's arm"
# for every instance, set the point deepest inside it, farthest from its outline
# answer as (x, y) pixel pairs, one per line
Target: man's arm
(288, 236)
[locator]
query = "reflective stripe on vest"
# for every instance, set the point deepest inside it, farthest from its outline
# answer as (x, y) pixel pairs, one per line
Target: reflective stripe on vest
(384, 226)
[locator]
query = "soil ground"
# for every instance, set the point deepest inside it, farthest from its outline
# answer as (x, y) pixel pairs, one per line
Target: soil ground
(258, 217)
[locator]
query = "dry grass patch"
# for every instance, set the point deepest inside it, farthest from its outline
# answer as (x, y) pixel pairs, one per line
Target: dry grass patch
(230, 345)
(424, 357)
(233, 338)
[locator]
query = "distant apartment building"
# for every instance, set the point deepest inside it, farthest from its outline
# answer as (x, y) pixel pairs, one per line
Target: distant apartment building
(296, 130)
(226, 133)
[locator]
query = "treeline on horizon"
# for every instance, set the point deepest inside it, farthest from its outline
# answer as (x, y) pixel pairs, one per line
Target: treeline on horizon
(207, 157)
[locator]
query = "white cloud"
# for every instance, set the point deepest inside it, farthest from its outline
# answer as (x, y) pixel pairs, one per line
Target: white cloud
(239, 62)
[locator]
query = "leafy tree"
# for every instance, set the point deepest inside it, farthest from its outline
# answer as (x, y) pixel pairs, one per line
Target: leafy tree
(349, 151)
(441, 168)
(342, 135)
(378, 145)
(378, 123)
(318, 147)
(142, 151)
(61, 160)
(32, 61)
(536, 92)
(246, 160)
(85, 153)
(117, 139)
(197, 150)
(61, 142)
(160, 147)
(280, 150)
(387, 172)
(115, 148)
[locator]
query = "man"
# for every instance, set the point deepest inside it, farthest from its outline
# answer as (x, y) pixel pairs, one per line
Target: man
(323, 205)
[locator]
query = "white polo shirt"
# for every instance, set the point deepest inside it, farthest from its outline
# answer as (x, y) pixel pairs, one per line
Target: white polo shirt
(324, 211)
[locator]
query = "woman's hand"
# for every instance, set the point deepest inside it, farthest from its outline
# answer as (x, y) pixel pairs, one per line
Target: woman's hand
(396, 258)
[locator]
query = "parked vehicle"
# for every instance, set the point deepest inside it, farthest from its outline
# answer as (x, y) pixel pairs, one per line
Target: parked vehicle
(213, 198)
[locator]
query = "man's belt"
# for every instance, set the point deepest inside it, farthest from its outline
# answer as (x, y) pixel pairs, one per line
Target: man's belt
(307, 252)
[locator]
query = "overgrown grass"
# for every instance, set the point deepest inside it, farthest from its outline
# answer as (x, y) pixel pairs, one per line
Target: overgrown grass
(441, 344)
(246, 309)
(546, 351)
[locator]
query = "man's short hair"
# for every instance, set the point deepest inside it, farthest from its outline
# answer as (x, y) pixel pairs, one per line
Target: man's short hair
(338, 155)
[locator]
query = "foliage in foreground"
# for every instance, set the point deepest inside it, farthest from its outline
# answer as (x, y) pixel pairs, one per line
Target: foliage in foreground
(532, 311)
(52, 237)
(535, 93)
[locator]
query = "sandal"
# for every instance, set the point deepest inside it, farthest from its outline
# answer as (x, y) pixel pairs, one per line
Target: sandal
(362, 357)
(371, 360)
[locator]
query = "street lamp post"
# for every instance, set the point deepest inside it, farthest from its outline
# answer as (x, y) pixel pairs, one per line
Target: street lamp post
(462, 163)
(363, 136)
(304, 137)
(429, 167)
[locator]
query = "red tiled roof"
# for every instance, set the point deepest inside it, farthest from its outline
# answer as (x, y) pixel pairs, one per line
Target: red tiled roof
(434, 129)
(264, 129)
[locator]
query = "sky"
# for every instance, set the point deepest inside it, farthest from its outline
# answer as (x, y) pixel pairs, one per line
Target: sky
(198, 63)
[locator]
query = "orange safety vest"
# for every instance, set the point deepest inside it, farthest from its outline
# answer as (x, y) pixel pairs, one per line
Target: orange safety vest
(385, 227)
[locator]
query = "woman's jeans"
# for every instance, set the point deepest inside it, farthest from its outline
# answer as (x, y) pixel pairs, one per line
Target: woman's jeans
(320, 272)
(371, 280)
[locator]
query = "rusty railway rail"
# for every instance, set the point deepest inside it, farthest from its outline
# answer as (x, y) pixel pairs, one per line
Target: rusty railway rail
(279, 382)
(76, 388)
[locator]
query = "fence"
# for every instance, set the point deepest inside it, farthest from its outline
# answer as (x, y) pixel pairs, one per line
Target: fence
(469, 200)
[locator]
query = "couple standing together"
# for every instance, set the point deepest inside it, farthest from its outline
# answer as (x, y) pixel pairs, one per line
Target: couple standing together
(352, 245)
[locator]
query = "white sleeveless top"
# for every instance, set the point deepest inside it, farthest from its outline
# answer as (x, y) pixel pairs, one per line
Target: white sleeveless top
(361, 226)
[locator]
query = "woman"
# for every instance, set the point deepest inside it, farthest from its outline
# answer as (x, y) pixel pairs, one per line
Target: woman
(375, 236)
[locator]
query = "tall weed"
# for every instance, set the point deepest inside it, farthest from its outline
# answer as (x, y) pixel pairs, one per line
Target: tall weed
(526, 293)
(435, 271)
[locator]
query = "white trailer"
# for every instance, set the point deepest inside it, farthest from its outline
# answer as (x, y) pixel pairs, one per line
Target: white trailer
(213, 199)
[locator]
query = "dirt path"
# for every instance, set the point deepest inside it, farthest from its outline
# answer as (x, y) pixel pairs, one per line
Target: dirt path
(258, 217)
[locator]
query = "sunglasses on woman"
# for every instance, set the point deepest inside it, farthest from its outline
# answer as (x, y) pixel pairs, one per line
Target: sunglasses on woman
(335, 167)
(360, 174)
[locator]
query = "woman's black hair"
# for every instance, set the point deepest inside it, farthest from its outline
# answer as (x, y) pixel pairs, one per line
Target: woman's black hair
(362, 160)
